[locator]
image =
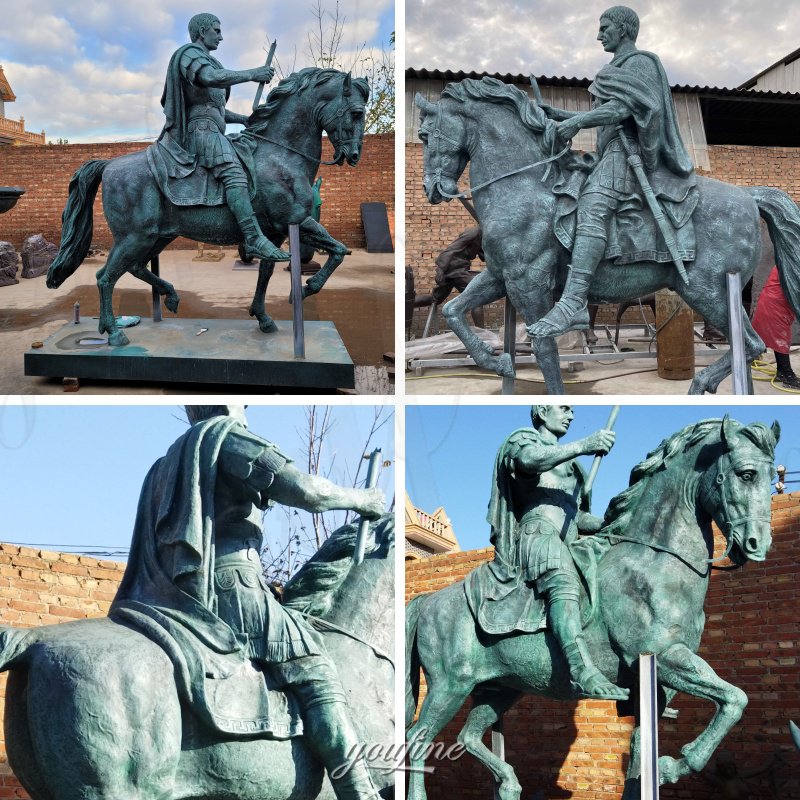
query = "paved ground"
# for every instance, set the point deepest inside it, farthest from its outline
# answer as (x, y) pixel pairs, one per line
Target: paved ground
(359, 298)
(612, 376)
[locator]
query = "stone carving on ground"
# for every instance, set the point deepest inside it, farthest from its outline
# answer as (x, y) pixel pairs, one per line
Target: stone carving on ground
(9, 260)
(600, 227)
(571, 600)
(201, 683)
(37, 256)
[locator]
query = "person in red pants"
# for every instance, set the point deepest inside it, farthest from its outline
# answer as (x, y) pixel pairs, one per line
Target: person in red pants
(773, 323)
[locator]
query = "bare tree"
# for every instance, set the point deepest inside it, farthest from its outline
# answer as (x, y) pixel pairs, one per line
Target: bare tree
(377, 66)
(289, 545)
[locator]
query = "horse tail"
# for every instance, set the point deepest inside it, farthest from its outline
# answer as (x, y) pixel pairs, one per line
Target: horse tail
(14, 646)
(783, 221)
(76, 222)
(413, 610)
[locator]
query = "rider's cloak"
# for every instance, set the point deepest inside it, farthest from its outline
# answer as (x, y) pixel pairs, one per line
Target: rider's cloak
(168, 593)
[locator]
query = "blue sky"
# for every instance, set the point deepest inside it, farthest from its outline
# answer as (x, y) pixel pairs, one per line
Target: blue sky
(72, 475)
(450, 451)
(93, 70)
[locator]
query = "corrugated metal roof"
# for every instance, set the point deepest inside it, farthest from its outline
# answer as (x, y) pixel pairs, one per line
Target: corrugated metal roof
(787, 59)
(544, 80)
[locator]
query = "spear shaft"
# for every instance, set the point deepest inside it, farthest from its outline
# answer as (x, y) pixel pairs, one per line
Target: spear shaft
(261, 85)
(363, 526)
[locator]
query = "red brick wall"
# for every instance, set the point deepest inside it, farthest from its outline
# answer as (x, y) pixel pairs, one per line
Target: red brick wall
(44, 172)
(579, 750)
(38, 587)
(429, 229)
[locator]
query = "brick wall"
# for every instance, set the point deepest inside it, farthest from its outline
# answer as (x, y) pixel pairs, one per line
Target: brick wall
(38, 587)
(44, 172)
(579, 750)
(429, 229)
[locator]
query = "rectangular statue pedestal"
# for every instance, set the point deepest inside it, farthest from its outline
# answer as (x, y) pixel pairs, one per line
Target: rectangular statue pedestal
(175, 351)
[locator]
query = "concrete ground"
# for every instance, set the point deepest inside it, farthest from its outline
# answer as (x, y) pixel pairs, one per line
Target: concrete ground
(611, 376)
(358, 298)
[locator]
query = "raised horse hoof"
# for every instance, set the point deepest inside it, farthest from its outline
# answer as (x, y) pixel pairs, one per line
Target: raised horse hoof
(671, 770)
(267, 325)
(171, 303)
(117, 338)
(505, 366)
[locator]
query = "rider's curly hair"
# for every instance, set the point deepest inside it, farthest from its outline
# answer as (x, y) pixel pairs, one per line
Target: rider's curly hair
(200, 21)
(622, 15)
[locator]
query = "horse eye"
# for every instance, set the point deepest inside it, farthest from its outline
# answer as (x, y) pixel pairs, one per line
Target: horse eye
(747, 476)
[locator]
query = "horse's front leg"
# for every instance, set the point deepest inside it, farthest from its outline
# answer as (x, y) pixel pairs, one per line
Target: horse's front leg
(483, 289)
(681, 669)
(315, 235)
(258, 307)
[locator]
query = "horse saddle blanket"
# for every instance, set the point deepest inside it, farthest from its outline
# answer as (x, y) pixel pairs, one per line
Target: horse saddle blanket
(632, 231)
(502, 602)
(185, 182)
(232, 695)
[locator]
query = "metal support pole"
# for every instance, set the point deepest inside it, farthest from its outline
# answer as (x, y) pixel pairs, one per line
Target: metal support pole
(499, 750)
(740, 369)
(510, 342)
(297, 293)
(648, 726)
(431, 315)
(154, 269)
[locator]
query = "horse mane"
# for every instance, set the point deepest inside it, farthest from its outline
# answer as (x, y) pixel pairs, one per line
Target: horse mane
(314, 587)
(308, 77)
(623, 506)
(493, 90)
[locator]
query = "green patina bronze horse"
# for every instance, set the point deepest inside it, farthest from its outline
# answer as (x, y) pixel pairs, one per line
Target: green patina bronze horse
(500, 133)
(143, 221)
(652, 570)
(124, 733)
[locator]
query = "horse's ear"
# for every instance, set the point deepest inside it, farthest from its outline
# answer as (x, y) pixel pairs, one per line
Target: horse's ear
(347, 87)
(727, 432)
(776, 431)
(424, 105)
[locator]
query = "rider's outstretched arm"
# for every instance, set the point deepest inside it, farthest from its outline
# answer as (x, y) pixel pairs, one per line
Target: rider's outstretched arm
(315, 494)
(543, 457)
(222, 78)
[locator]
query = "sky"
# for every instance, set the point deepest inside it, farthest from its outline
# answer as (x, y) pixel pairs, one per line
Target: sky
(72, 475)
(450, 451)
(711, 43)
(93, 70)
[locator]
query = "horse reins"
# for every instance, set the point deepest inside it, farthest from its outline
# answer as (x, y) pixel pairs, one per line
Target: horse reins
(730, 524)
(438, 173)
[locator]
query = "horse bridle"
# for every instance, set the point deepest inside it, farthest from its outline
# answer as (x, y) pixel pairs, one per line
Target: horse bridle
(340, 140)
(720, 479)
(439, 173)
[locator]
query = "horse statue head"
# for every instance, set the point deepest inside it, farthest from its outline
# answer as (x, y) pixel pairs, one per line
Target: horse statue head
(327, 99)
(477, 113)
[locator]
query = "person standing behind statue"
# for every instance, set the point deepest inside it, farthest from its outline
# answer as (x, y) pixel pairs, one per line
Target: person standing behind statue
(631, 98)
(453, 271)
(537, 509)
(195, 92)
(773, 323)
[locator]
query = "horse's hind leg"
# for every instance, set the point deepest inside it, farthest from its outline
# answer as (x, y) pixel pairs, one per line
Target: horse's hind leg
(163, 287)
(125, 255)
(717, 314)
(681, 669)
(483, 289)
(488, 708)
(443, 700)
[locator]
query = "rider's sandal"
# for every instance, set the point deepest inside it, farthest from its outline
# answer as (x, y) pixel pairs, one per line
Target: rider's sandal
(579, 321)
(603, 689)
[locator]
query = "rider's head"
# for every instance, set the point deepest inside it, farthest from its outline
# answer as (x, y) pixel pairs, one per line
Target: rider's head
(199, 22)
(625, 18)
(197, 414)
(555, 419)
